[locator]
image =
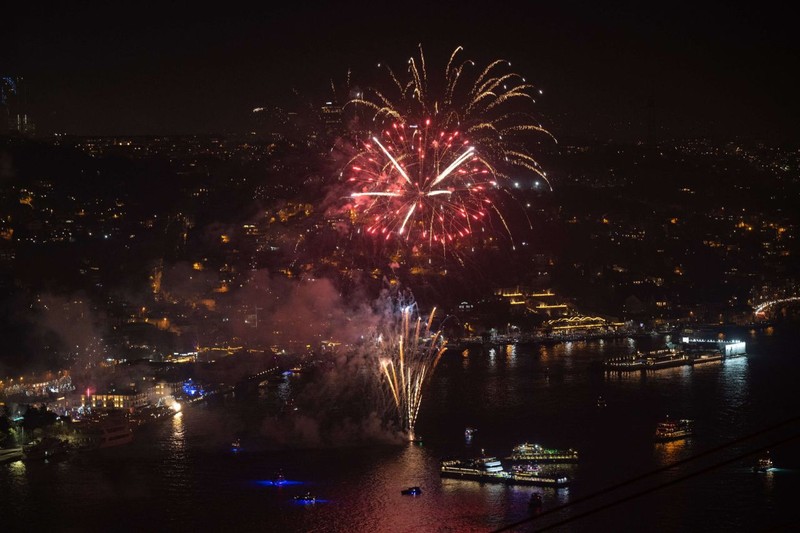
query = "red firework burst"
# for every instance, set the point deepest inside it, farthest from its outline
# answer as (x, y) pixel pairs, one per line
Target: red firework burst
(422, 184)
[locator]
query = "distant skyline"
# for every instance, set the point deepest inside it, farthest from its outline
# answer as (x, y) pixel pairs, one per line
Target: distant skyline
(619, 71)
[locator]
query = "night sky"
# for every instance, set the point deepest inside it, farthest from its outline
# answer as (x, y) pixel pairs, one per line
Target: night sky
(608, 71)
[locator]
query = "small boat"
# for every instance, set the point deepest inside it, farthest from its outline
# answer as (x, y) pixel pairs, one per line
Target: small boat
(411, 491)
(535, 501)
(469, 432)
(601, 402)
(46, 448)
(674, 429)
(236, 445)
(763, 464)
(306, 498)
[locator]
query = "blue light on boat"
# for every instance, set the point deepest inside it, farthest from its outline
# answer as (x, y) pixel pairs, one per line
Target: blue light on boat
(281, 483)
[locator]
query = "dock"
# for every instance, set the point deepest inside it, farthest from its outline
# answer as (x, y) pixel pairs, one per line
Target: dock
(8, 455)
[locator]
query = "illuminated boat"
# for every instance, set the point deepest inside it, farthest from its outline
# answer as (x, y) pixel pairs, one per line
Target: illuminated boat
(763, 464)
(667, 429)
(411, 491)
(537, 453)
(652, 360)
(490, 469)
(469, 432)
(104, 432)
(526, 468)
(306, 498)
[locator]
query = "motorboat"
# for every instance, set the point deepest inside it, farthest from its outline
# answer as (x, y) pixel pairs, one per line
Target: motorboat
(535, 501)
(763, 464)
(411, 491)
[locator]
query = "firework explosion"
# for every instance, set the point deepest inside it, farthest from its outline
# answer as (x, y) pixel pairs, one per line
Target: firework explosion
(408, 354)
(421, 183)
(440, 159)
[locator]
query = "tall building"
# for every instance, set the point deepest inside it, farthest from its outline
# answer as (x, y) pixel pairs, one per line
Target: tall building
(331, 115)
(14, 116)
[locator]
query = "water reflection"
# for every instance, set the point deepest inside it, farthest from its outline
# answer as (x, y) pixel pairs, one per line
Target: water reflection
(544, 353)
(177, 441)
(667, 453)
(511, 355)
(179, 470)
(734, 379)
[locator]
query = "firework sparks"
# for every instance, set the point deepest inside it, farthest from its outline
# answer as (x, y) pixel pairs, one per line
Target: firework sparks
(422, 184)
(408, 354)
(440, 158)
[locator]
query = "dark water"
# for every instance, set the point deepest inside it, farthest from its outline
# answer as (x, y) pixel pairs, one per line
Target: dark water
(182, 476)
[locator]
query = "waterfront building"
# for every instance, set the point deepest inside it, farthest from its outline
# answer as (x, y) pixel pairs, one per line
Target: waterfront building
(115, 399)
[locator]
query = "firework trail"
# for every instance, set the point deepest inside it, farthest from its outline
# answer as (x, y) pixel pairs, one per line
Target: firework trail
(408, 352)
(436, 159)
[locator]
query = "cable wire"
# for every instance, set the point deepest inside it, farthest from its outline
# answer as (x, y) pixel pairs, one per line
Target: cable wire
(651, 473)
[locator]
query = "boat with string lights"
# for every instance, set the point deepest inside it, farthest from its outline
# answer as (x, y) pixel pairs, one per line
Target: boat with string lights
(669, 429)
(763, 464)
(490, 470)
(538, 453)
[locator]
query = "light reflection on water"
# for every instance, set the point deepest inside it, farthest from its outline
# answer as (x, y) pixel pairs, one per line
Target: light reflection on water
(667, 453)
(183, 474)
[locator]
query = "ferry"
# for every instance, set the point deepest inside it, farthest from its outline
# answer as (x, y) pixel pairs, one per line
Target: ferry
(490, 470)
(667, 429)
(535, 452)
(108, 432)
(653, 360)
(526, 468)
